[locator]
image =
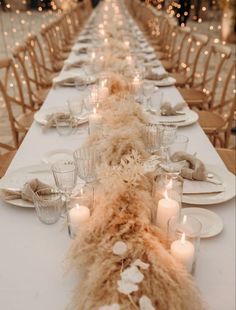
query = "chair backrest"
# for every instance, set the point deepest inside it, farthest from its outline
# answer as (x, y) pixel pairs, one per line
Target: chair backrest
(217, 55)
(26, 63)
(12, 93)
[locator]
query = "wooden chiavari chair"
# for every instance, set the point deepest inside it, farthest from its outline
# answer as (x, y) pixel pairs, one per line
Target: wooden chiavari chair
(13, 96)
(217, 121)
(27, 64)
(196, 43)
(201, 94)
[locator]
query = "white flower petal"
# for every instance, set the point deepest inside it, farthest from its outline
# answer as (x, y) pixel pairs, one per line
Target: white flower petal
(110, 307)
(145, 303)
(140, 264)
(132, 274)
(119, 248)
(126, 287)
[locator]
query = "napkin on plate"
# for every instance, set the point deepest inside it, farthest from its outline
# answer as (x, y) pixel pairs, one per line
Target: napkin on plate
(156, 77)
(51, 119)
(76, 64)
(68, 80)
(194, 173)
(27, 191)
(167, 109)
(84, 40)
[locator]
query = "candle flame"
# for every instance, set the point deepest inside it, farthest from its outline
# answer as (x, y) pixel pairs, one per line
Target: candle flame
(183, 238)
(94, 110)
(184, 219)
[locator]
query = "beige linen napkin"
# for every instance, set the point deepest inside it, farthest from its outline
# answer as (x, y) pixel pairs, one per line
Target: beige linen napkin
(51, 119)
(76, 64)
(27, 191)
(167, 109)
(195, 170)
(156, 77)
(70, 81)
(82, 50)
(85, 40)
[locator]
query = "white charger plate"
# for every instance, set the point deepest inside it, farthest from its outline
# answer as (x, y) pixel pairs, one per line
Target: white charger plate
(41, 116)
(228, 180)
(169, 81)
(191, 118)
(56, 155)
(16, 179)
(212, 224)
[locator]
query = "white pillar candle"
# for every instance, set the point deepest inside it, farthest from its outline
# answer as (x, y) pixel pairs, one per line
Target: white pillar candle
(127, 44)
(183, 250)
(95, 122)
(78, 216)
(166, 209)
(103, 93)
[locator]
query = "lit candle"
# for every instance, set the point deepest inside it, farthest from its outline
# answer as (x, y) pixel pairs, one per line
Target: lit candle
(166, 209)
(78, 216)
(95, 122)
(103, 93)
(129, 60)
(183, 250)
(127, 44)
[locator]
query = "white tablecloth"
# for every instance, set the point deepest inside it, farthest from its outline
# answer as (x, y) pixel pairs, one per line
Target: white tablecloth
(32, 274)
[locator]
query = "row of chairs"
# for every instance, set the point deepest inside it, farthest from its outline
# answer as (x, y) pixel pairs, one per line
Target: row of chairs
(26, 77)
(197, 64)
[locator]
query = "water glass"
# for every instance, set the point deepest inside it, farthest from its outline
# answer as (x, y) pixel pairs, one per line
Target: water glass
(184, 233)
(48, 205)
(169, 134)
(65, 175)
(64, 126)
(86, 160)
(75, 106)
(152, 136)
(180, 144)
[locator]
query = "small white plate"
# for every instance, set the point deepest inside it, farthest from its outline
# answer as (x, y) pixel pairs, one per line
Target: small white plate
(228, 181)
(56, 155)
(41, 116)
(212, 224)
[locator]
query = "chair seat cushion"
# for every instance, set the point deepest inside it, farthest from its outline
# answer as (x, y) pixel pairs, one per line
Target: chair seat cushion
(211, 121)
(194, 97)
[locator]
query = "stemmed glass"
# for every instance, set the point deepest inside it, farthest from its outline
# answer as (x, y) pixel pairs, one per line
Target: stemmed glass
(148, 89)
(86, 160)
(65, 176)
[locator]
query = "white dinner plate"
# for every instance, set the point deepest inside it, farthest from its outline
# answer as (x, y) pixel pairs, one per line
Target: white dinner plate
(212, 224)
(41, 115)
(16, 179)
(56, 155)
(169, 81)
(190, 118)
(228, 181)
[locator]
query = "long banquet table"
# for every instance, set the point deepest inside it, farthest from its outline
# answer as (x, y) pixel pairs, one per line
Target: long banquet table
(32, 274)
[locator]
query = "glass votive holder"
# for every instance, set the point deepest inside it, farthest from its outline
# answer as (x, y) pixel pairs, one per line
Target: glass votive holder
(152, 136)
(95, 122)
(78, 210)
(168, 189)
(48, 205)
(184, 233)
(169, 134)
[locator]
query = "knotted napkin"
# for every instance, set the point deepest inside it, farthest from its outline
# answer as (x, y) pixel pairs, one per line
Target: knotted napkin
(51, 119)
(167, 109)
(76, 64)
(194, 168)
(156, 77)
(27, 191)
